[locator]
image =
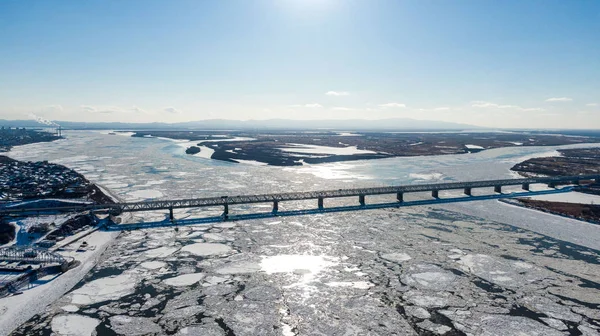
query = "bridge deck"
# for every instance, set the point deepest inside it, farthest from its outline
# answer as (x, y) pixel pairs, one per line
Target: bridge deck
(295, 196)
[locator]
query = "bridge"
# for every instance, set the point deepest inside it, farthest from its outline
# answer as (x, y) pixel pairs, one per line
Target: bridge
(30, 255)
(399, 191)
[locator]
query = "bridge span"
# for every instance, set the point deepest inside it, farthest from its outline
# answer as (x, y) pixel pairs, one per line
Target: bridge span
(320, 196)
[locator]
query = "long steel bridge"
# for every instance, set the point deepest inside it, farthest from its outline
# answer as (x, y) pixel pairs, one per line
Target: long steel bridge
(320, 196)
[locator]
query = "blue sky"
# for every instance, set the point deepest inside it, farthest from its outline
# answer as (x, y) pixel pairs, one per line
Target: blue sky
(491, 63)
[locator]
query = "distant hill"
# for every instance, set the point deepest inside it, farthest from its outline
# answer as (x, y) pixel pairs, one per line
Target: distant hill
(222, 124)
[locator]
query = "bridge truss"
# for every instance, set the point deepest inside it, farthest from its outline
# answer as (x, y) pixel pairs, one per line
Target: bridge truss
(30, 255)
(225, 201)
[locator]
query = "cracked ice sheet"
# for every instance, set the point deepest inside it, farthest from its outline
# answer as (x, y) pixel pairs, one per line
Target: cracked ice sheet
(502, 272)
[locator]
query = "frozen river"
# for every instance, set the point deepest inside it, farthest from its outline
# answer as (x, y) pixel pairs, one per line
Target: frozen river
(480, 268)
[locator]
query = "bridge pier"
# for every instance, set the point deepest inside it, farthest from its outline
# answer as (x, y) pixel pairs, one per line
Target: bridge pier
(468, 191)
(498, 189)
(171, 217)
(361, 200)
(225, 211)
(320, 202)
(400, 197)
(275, 206)
(435, 193)
(525, 186)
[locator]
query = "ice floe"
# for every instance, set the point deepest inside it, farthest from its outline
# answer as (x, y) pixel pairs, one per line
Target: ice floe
(134, 326)
(70, 308)
(426, 276)
(396, 257)
(160, 252)
(185, 279)
(74, 325)
(240, 267)
(206, 249)
(353, 284)
(104, 289)
(500, 271)
(152, 265)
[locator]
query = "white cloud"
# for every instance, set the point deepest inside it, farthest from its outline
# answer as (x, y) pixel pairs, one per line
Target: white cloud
(337, 93)
(53, 108)
(441, 108)
(484, 104)
(171, 110)
(559, 99)
(315, 105)
(339, 108)
(392, 105)
(591, 104)
(138, 109)
(110, 109)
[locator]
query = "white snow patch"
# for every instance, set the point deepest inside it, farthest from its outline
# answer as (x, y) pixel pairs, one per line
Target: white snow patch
(205, 152)
(315, 149)
(251, 162)
(427, 177)
(474, 147)
(571, 197)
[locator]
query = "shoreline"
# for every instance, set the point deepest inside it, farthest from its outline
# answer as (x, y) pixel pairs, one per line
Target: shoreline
(18, 309)
(577, 160)
(549, 209)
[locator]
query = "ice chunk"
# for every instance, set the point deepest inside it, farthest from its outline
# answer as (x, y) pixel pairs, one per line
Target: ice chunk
(152, 265)
(396, 257)
(353, 284)
(206, 249)
(241, 267)
(104, 289)
(70, 308)
(185, 279)
(133, 326)
(429, 277)
(74, 325)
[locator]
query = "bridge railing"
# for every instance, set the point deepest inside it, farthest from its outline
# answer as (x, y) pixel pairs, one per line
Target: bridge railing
(30, 255)
(295, 196)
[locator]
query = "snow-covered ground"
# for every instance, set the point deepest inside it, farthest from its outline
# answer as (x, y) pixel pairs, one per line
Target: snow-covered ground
(315, 149)
(573, 197)
(15, 310)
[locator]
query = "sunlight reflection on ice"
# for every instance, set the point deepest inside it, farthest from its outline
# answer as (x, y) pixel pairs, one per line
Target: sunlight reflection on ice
(306, 265)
